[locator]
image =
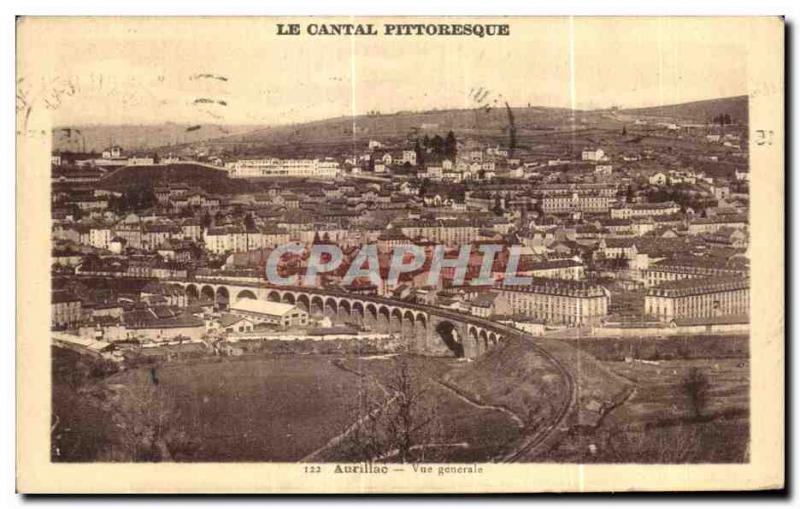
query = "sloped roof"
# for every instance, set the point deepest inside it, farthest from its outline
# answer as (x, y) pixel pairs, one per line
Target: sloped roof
(262, 307)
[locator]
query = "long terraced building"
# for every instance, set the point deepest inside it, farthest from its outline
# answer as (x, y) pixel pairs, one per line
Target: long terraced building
(699, 298)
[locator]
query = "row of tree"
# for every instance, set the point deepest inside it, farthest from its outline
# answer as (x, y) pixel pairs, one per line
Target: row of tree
(438, 146)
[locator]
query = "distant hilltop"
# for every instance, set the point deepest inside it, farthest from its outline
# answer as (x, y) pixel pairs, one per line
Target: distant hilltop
(97, 138)
(481, 121)
(699, 111)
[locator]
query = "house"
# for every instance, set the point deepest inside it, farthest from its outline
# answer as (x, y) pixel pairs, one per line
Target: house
(141, 161)
(658, 179)
(434, 173)
(66, 257)
(617, 248)
(410, 157)
(727, 236)
(99, 236)
(532, 326)
(236, 323)
(486, 304)
(391, 238)
(272, 313)
(117, 245)
(65, 309)
(162, 323)
(721, 191)
(593, 155)
(112, 152)
(557, 269)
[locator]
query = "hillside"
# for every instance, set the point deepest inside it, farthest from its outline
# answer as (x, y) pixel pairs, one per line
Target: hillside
(699, 111)
(532, 127)
(210, 180)
(137, 137)
(338, 136)
(404, 123)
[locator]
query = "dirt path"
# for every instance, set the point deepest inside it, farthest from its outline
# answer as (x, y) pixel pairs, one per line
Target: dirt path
(484, 406)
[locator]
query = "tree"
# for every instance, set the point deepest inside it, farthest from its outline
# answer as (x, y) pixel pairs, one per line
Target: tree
(674, 444)
(695, 386)
(423, 187)
(630, 194)
(138, 196)
(420, 153)
(207, 221)
(76, 212)
(399, 428)
(722, 119)
(498, 206)
(437, 143)
(148, 425)
(450, 145)
(512, 131)
(408, 420)
(249, 222)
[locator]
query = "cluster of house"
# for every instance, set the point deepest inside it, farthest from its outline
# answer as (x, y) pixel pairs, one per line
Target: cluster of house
(113, 157)
(586, 226)
(163, 313)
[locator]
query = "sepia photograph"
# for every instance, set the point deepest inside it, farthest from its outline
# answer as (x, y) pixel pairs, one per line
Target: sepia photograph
(386, 247)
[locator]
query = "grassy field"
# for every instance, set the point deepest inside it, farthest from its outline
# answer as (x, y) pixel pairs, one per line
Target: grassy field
(658, 423)
(661, 396)
(470, 430)
(208, 179)
(270, 408)
(267, 409)
(694, 346)
(285, 407)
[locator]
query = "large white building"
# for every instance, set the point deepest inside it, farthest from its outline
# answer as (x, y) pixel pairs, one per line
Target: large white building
(273, 313)
(235, 239)
(556, 301)
(577, 202)
(100, 236)
(636, 210)
(699, 298)
(274, 167)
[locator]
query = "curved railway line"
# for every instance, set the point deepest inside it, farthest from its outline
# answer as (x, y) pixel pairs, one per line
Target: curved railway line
(532, 445)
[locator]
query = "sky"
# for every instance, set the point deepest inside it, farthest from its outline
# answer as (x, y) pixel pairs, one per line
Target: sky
(238, 71)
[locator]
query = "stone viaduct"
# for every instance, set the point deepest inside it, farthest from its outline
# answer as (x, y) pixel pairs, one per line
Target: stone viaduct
(427, 329)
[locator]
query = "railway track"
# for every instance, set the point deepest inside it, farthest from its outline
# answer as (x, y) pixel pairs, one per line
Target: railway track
(530, 447)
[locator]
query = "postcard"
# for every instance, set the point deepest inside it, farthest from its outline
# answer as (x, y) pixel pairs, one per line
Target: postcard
(399, 255)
